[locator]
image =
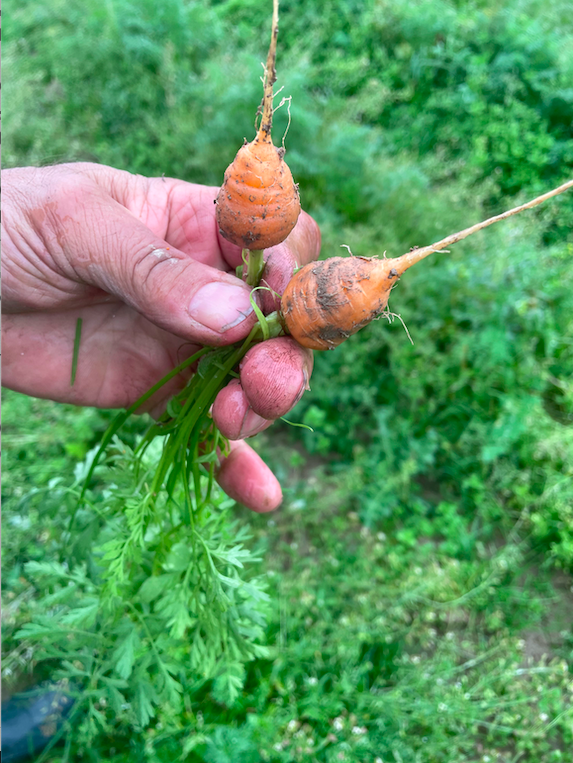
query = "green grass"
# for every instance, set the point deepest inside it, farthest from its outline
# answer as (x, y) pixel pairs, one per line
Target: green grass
(419, 572)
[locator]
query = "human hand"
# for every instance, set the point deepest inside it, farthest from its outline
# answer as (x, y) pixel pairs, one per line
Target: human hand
(141, 261)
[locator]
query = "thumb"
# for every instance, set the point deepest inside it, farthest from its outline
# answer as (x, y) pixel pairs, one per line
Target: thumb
(107, 246)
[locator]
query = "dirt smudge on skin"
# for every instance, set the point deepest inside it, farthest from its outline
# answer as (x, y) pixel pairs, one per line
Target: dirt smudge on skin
(328, 296)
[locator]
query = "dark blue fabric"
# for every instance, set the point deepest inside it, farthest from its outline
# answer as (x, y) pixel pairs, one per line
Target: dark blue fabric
(30, 721)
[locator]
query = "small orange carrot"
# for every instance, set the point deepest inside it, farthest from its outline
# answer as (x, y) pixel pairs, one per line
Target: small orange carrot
(258, 204)
(326, 302)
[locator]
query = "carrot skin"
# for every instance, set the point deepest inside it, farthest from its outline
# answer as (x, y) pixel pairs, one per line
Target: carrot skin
(258, 204)
(326, 302)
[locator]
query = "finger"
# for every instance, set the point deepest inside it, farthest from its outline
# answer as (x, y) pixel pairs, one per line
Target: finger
(274, 376)
(233, 414)
(244, 476)
(95, 240)
(298, 249)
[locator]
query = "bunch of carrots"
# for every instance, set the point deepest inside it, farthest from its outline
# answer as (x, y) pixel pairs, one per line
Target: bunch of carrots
(323, 304)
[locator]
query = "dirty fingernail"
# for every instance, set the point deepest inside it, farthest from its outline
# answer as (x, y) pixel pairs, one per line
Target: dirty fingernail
(220, 306)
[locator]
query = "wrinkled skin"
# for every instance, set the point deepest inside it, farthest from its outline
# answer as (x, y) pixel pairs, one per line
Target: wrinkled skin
(140, 260)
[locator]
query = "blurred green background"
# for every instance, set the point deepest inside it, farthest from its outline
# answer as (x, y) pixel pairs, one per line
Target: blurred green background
(419, 572)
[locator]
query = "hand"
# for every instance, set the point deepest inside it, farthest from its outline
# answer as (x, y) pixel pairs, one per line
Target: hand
(140, 260)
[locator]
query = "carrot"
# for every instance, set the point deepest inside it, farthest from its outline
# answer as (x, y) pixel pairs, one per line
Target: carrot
(326, 302)
(258, 204)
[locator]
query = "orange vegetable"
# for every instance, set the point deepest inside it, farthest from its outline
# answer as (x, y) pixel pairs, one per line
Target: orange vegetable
(326, 302)
(258, 204)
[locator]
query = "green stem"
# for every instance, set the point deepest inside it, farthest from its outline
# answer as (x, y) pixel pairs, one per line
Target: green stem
(189, 503)
(122, 417)
(205, 391)
(255, 267)
(200, 405)
(160, 663)
(77, 341)
(195, 468)
(216, 438)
